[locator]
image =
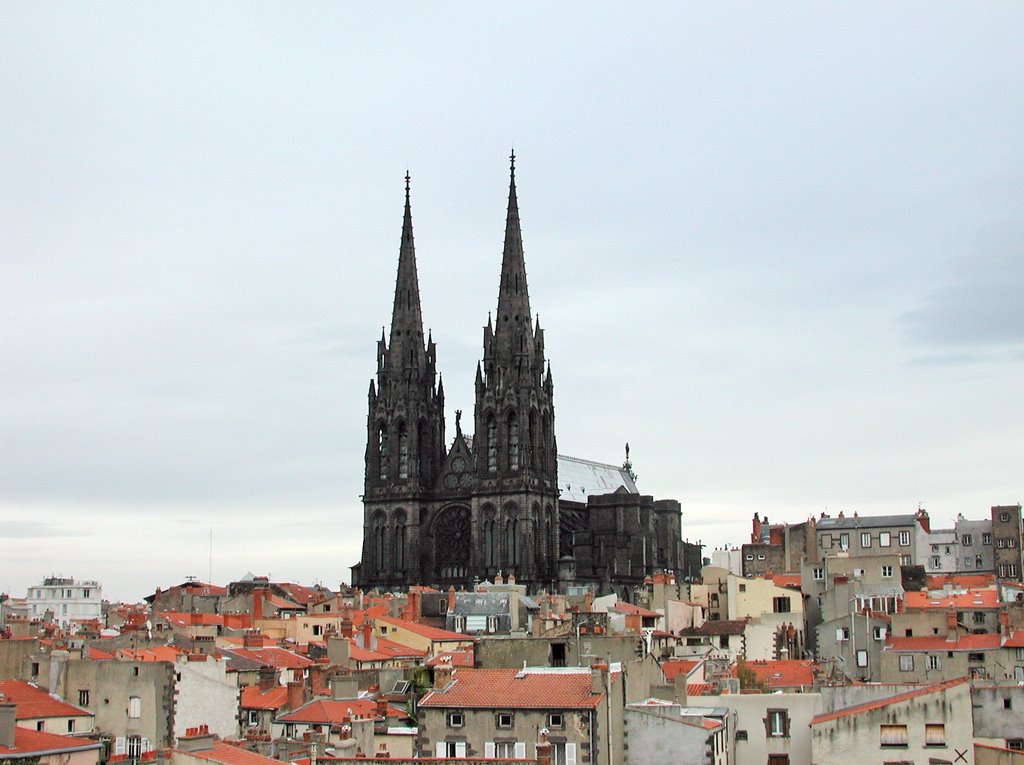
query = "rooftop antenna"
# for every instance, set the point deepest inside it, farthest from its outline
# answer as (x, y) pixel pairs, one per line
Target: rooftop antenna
(210, 580)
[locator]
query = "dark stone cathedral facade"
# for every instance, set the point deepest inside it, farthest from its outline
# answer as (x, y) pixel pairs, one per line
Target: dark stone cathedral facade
(454, 513)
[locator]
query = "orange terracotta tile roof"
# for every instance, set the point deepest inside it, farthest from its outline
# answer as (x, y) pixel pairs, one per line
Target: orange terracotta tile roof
(226, 754)
(1015, 640)
(870, 706)
(330, 711)
(254, 698)
(516, 689)
(33, 702)
(29, 743)
(787, 580)
(97, 655)
(629, 608)
(966, 601)
(395, 650)
(423, 630)
(278, 658)
(454, 658)
(156, 653)
(700, 689)
(940, 643)
(963, 581)
(784, 673)
(672, 667)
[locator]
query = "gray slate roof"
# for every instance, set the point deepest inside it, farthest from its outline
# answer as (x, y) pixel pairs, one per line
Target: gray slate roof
(578, 479)
(865, 522)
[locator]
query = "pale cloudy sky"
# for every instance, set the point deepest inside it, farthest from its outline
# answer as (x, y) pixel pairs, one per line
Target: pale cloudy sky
(776, 246)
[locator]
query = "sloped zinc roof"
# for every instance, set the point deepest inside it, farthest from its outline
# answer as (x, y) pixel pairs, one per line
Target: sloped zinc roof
(578, 479)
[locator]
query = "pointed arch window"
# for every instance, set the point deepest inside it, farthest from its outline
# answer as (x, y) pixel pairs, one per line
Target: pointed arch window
(383, 458)
(403, 452)
(492, 445)
(399, 542)
(511, 543)
(490, 543)
(421, 440)
(531, 442)
(513, 442)
(379, 535)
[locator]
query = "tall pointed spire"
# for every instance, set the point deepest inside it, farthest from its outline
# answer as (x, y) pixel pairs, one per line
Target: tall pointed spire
(406, 346)
(513, 319)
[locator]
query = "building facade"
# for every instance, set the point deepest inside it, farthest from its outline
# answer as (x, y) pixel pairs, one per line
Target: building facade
(67, 600)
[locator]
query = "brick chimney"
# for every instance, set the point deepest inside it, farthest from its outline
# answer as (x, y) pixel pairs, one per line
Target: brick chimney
(511, 578)
(345, 626)
(267, 679)
(1004, 623)
(543, 750)
(316, 679)
(296, 695)
(257, 604)
(755, 530)
(923, 520)
(588, 602)
(951, 626)
(368, 640)
(451, 598)
(252, 639)
(382, 707)
(7, 717)
(498, 579)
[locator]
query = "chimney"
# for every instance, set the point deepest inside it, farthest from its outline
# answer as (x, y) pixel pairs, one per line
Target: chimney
(268, 679)
(367, 634)
(543, 750)
(498, 579)
(1004, 623)
(588, 602)
(296, 695)
(338, 649)
(344, 687)
(345, 625)
(7, 716)
(951, 626)
(451, 598)
(755, 532)
(923, 520)
(679, 682)
(198, 739)
(511, 578)
(443, 674)
(382, 708)
(598, 674)
(257, 604)
(252, 639)
(316, 680)
(536, 625)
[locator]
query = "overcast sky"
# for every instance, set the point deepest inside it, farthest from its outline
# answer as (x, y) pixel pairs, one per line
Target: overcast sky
(777, 247)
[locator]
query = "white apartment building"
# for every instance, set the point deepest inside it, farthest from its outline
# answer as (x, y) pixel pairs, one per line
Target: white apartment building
(67, 600)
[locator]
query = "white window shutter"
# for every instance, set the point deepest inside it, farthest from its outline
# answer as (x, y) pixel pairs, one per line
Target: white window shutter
(520, 750)
(145, 745)
(570, 754)
(460, 748)
(489, 750)
(119, 745)
(440, 749)
(839, 635)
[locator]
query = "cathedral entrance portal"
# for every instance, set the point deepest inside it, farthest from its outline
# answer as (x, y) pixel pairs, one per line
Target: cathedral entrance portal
(452, 534)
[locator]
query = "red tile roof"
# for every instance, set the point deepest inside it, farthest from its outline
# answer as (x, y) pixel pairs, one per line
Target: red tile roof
(455, 658)
(278, 658)
(940, 643)
(787, 580)
(157, 653)
(629, 608)
(254, 698)
(33, 702)
(329, 711)
(963, 581)
(423, 630)
(783, 673)
(672, 667)
(870, 706)
(34, 743)
(226, 754)
(965, 601)
(1015, 640)
(513, 688)
(97, 655)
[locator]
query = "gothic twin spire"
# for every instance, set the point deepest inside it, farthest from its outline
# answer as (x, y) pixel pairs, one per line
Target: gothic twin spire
(512, 334)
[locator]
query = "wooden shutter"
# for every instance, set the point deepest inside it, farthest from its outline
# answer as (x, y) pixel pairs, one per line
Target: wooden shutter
(460, 748)
(893, 735)
(935, 734)
(489, 750)
(119, 745)
(570, 754)
(145, 745)
(440, 749)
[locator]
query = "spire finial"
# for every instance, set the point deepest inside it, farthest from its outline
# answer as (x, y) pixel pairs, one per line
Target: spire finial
(512, 161)
(407, 178)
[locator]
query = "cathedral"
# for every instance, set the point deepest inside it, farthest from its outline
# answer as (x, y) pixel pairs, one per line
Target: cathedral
(452, 513)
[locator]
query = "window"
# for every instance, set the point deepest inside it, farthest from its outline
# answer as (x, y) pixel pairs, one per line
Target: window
(904, 539)
(865, 539)
(1020, 654)
(1000, 543)
(741, 735)
(254, 718)
(818, 574)
(879, 633)
(862, 658)
(826, 540)
(887, 571)
(134, 747)
(35, 668)
(749, 556)
(979, 617)
(858, 573)
(504, 750)
(135, 707)
(39, 725)
(1007, 703)
(975, 657)
(936, 563)
(934, 661)
(563, 754)
(135, 671)
(450, 749)
(842, 634)
(83, 698)
(780, 605)
(776, 724)
(556, 721)
(1011, 542)
(934, 734)
(967, 540)
(760, 556)
(844, 541)
(289, 730)
(1016, 744)
(986, 538)
(503, 720)
(893, 735)
(1004, 517)
(906, 662)
(884, 539)
(743, 588)
(456, 720)
(904, 560)
(318, 630)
